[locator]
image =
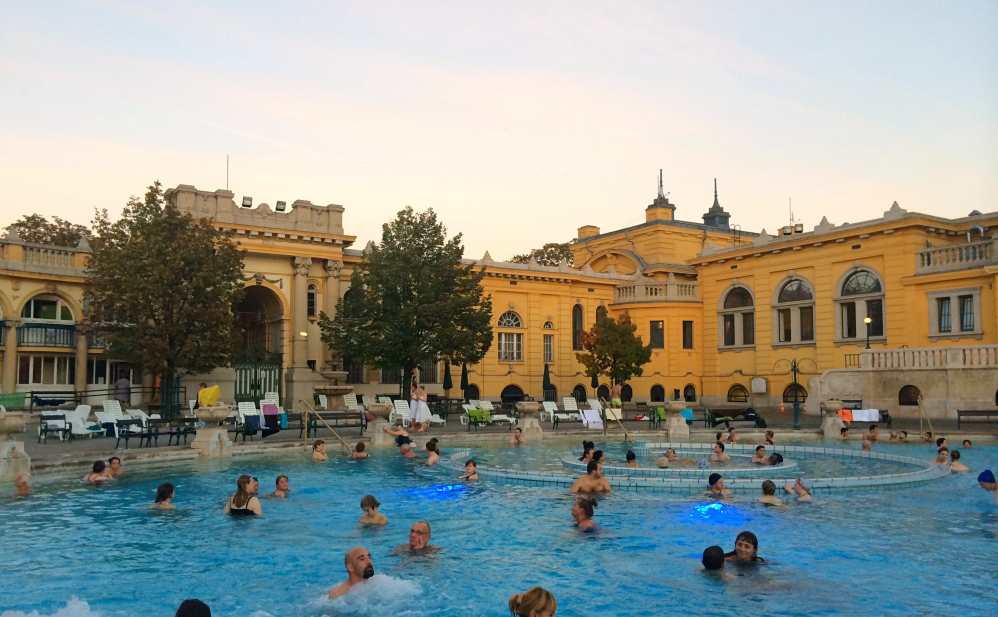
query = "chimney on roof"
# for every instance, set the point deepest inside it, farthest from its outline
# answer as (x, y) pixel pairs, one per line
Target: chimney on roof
(660, 209)
(588, 230)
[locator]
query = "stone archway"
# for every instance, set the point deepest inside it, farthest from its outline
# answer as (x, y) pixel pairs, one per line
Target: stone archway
(260, 349)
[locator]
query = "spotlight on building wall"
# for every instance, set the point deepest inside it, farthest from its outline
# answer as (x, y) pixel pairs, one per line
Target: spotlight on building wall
(247, 202)
(303, 334)
(799, 228)
(281, 206)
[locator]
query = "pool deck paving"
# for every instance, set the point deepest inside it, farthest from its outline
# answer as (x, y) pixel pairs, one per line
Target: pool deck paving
(55, 454)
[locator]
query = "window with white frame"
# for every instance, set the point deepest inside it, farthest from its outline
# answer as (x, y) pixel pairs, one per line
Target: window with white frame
(860, 295)
(793, 313)
(955, 313)
(509, 319)
(510, 347)
(48, 308)
(46, 369)
(737, 318)
(549, 348)
(312, 300)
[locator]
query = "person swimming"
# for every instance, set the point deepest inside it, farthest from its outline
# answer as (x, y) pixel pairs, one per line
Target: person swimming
(632, 459)
(470, 471)
(164, 495)
(587, 451)
(21, 484)
(713, 559)
(769, 494)
(369, 504)
(942, 456)
(359, 568)
(954, 463)
(746, 549)
(359, 451)
(99, 475)
(770, 438)
(760, 454)
(281, 489)
(802, 488)
(244, 502)
(716, 483)
(582, 512)
(844, 433)
(987, 481)
(773, 459)
(719, 456)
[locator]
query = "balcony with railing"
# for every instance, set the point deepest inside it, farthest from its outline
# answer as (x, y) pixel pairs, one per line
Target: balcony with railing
(49, 256)
(46, 335)
(967, 256)
(670, 290)
(930, 358)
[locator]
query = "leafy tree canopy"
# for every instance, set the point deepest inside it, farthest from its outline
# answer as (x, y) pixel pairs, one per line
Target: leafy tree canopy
(412, 301)
(612, 349)
(551, 254)
(161, 284)
(37, 229)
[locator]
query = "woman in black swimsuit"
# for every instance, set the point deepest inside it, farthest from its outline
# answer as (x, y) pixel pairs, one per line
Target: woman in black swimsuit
(244, 502)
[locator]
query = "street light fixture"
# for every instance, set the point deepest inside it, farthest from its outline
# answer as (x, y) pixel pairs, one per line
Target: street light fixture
(867, 321)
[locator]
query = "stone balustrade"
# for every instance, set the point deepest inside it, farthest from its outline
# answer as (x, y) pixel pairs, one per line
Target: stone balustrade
(925, 358)
(48, 256)
(965, 256)
(657, 291)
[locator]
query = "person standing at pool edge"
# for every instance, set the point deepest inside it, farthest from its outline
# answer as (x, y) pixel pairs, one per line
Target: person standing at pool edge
(536, 602)
(988, 482)
(359, 568)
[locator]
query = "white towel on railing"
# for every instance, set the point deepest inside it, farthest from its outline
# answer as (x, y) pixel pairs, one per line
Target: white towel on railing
(866, 415)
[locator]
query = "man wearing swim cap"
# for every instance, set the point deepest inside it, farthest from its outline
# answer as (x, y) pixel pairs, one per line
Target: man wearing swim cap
(359, 569)
(988, 483)
(716, 483)
(802, 488)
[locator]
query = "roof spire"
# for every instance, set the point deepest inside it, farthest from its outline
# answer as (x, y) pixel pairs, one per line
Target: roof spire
(716, 205)
(715, 189)
(661, 189)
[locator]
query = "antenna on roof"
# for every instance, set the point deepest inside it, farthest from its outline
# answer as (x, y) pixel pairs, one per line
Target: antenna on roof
(226, 172)
(661, 192)
(791, 201)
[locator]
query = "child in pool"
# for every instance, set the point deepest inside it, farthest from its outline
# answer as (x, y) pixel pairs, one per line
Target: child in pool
(360, 451)
(319, 451)
(371, 515)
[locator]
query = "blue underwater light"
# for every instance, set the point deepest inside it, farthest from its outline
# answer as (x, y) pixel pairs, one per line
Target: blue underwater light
(438, 492)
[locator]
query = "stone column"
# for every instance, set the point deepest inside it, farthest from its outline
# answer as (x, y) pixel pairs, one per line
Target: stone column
(10, 356)
(332, 296)
(82, 349)
(299, 311)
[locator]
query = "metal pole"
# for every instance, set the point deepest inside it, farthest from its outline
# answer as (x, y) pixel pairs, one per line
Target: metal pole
(797, 425)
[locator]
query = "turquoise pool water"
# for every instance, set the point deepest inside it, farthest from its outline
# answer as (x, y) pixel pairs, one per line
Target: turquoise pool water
(927, 550)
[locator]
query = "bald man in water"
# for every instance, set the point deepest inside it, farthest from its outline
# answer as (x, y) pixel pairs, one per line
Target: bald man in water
(359, 569)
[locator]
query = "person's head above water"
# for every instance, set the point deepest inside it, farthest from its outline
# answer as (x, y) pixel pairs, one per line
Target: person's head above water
(713, 480)
(805, 484)
(717, 437)
(597, 456)
(360, 446)
(193, 608)
(593, 468)
(746, 546)
(419, 534)
(536, 602)
(670, 453)
(470, 465)
(358, 563)
(955, 455)
(369, 502)
(987, 480)
(164, 492)
(585, 505)
(844, 430)
(768, 487)
(966, 444)
(940, 442)
(99, 467)
(713, 558)
(631, 456)
(757, 448)
(718, 447)
(775, 458)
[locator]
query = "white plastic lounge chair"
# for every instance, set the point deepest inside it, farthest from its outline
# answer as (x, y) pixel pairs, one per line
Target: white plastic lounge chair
(436, 419)
(79, 422)
(191, 404)
(595, 404)
(401, 413)
(550, 408)
(591, 419)
(113, 407)
(466, 416)
(138, 414)
(350, 401)
(571, 413)
(496, 417)
(476, 404)
(385, 399)
(271, 398)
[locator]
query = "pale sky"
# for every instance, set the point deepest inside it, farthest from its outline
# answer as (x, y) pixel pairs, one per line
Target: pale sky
(518, 122)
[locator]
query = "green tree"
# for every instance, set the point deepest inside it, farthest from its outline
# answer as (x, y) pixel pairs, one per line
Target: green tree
(161, 286)
(612, 349)
(411, 301)
(37, 229)
(551, 254)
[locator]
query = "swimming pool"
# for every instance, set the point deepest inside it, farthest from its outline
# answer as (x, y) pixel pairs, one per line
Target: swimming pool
(919, 551)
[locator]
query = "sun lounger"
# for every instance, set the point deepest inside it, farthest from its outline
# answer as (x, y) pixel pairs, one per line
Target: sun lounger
(400, 413)
(591, 419)
(570, 413)
(497, 417)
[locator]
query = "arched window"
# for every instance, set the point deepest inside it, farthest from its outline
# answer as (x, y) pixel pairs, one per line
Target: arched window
(793, 313)
(313, 300)
(657, 394)
(737, 318)
(510, 343)
(577, 325)
(548, 325)
(860, 296)
(510, 319)
(579, 394)
(511, 394)
(603, 392)
(737, 394)
(788, 393)
(48, 308)
(626, 393)
(472, 393)
(690, 393)
(600, 311)
(909, 396)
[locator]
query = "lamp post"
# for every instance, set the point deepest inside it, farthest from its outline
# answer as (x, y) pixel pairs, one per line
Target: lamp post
(867, 320)
(795, 369)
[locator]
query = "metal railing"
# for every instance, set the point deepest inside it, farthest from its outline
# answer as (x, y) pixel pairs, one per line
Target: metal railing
(305, 409)
(965, 256)
(46, 335)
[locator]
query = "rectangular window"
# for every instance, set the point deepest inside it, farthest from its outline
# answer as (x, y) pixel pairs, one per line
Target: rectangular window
(748, 328)
(510, 347)
(96, 371)
(429, 372)
(24, 369)
(966, 313)
(687, 335)
(657, 334)
(784, 327)
(875, 311)
(391, 375)
(47, 370)
(549, 348)
(807, 323)
(310, 304)
(848, 320)
(729, 330)
(945, 319)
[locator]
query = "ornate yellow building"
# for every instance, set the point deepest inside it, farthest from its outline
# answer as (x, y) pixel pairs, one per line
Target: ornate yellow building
(725, 310)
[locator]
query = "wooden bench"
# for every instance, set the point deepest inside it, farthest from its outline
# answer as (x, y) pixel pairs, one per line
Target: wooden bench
(974, 413)
(712, 418)
(853, 404)
(338, 419)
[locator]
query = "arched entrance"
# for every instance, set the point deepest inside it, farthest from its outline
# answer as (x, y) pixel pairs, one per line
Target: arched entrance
(603, 392)
(511, 394)
(260, 328)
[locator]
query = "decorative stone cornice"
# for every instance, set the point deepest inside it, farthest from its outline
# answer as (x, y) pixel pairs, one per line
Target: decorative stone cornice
(260, 278)
(301, 265)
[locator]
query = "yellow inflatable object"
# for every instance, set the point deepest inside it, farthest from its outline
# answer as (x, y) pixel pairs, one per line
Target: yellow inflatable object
(209, 396)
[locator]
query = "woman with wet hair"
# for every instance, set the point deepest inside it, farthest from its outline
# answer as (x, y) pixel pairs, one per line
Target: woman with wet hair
(582, 512)
(164, 494)
(587, 448)
(244, 502)
(434, 450)
(536, 602)
(746, 549)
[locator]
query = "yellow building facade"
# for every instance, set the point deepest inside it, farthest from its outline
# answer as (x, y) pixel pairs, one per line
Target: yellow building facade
(726, 311)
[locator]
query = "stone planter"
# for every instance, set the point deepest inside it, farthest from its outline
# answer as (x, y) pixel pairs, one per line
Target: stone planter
(212, 416)
(831, 407)
(13, 459)
(529, 422)
(832, 425)
(674, 406)
(528, 409)
(380, 411)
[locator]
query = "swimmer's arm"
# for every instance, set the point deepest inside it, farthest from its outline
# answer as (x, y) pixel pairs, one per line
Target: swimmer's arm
(228, 506)
(788, 488)
(575, 488)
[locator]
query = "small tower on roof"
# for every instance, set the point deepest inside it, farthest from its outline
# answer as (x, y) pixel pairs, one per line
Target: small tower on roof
(716, 216)
(660, 209)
